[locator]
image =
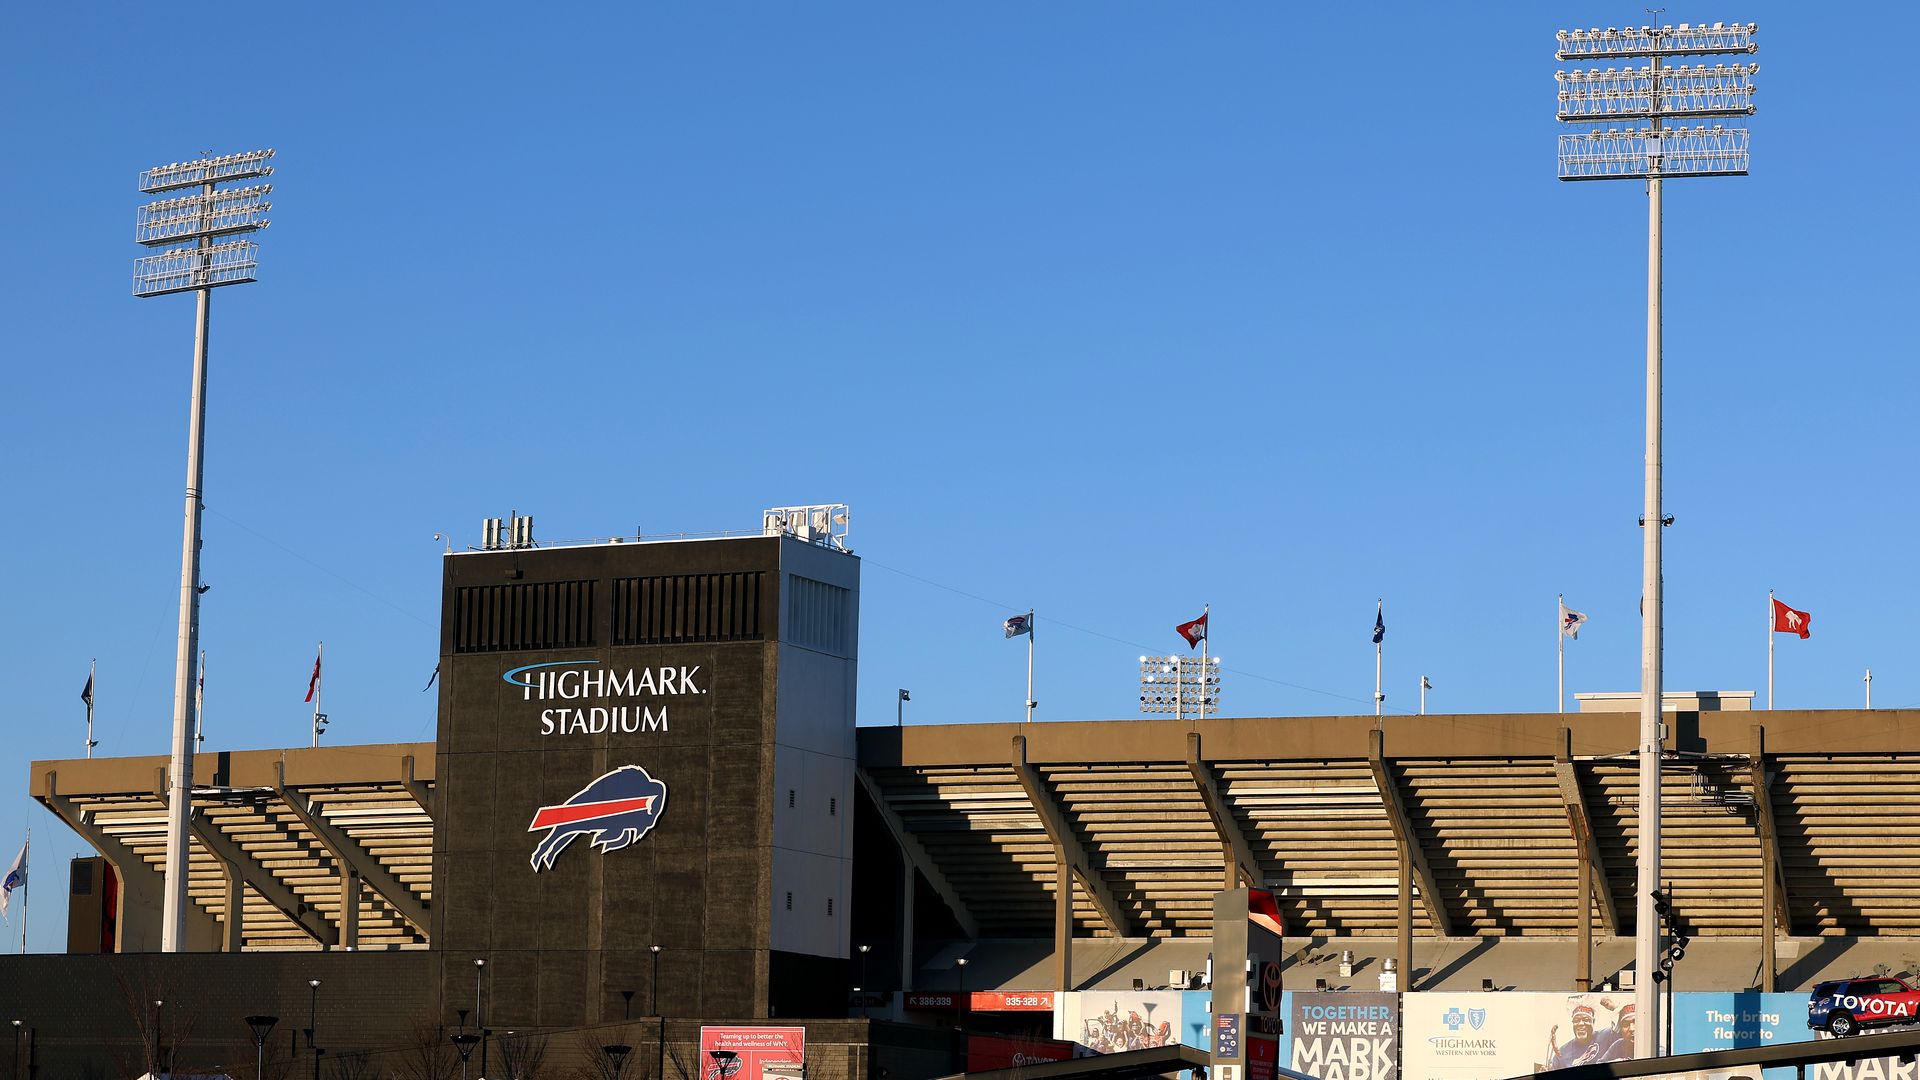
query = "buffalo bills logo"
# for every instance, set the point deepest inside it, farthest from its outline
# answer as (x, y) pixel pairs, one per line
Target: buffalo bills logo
(614, 812)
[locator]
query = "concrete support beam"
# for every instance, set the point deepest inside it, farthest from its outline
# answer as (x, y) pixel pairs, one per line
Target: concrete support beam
(1062, 925)
(270, 888)
(1405, 836)
(233, 933)
(138, 926)
(353, 859)
(916, 857)
(421, 793)
(1067, 848)
(349, 908)
(1242, 866)
(1776, 908)
(1586, 846)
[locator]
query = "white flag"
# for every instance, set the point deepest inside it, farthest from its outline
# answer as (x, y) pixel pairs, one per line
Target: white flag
(1570, 621)
(16, 877)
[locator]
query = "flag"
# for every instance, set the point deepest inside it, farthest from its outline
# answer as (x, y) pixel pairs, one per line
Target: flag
(16, 877)
(1195, 632)
(1379, 621)
(904, 696)
(1788, 621)
(86, 695)
(1018, 624)
(431, 678)
(314, 683)
(1570, 621)
(200, 685)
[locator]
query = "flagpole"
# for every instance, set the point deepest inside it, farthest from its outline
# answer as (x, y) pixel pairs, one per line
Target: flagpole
(1378, 697)
(319, 689)
(1029, 665)
(1769, 650)
(1560, 636)
(199, 702)
(26, 886)
(91, 664)
(1205, 640)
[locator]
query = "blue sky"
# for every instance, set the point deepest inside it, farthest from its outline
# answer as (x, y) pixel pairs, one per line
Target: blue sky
(1107, 310)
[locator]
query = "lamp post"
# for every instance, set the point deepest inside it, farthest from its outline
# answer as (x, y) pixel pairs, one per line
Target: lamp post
(479, 1018)
(725, 1064)
(16, 1049)
(626, 1005)
(464, 1043)
(261, 1026)
(1653, 94)
(313, 1012)
(864, 950)
(158, 1047)
(617, 1057)
(653, 1006)
(208, 230)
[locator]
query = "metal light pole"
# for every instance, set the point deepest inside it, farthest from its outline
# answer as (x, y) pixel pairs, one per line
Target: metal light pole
(261, 1026)
(209, 228)
(617, 1057)
(313, 1012)
(16, 1049)
(1653, 94)
(653, 1006)
(463, 1042)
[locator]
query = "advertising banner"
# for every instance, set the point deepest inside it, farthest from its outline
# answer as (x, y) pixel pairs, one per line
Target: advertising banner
(1708, 1021)
(752, 1053)
(1011, 1001)
(1490, 1036)
(1011, 1051)
(1110, 1021)
(1345, 1036)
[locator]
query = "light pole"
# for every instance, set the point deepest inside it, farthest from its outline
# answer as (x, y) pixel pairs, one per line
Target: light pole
(463, 1042)
(617, 1057)
(313, 1012)
(861, 989)
(1653, 94)
(479, 1018)
(653, 1006)
(16, 1049)
(211, 250)
(261, 1026)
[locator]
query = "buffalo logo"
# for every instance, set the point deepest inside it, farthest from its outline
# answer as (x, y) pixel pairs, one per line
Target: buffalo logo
(614, 811)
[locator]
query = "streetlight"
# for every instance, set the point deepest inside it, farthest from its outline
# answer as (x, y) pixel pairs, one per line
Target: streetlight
(16, 1049)
(261, 1026)
(960, 999)
(617, 1057)
(464, 1043)
(1653, 94)
(479, 1018)
(158, 1049)
(653, 988)
(209, 230)
(864, 950)
(626, 1005)
(313, 1009)
(1186, 686)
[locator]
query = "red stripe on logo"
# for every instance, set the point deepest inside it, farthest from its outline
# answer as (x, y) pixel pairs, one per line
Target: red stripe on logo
(569, 813)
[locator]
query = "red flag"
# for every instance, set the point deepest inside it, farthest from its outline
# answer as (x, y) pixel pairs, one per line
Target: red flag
(1195, 632)
(1788, 621)
(315, 681)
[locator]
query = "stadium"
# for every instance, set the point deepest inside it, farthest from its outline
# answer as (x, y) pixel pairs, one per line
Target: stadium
(717, 852)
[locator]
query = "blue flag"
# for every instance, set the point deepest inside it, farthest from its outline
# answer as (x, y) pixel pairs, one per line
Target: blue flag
(1379, 623)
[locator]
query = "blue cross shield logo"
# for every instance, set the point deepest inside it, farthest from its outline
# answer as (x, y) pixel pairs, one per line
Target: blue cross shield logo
(1477, 1018)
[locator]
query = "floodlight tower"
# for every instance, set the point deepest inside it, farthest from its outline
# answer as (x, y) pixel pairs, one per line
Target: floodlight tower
(1652, 95)
(1186, 686)
(209, 229)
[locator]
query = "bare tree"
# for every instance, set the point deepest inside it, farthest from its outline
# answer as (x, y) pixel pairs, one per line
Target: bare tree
(428, 1055)
(522, 1057)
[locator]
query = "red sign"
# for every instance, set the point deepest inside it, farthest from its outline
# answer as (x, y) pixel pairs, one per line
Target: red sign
(1262, 1056)
(943, 1002)
(1008, 1052)
(750, 1053)
(1011, 1001)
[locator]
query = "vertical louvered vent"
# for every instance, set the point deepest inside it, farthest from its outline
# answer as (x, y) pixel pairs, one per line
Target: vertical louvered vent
(687, 608)
(531, 615)
(819, 615)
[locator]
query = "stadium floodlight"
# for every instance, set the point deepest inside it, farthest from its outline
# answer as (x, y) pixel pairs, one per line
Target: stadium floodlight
(1186, 686)
(1653, 94)
(208, 228)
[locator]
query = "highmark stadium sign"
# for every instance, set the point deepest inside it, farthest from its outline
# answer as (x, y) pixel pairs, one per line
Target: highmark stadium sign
(604, 698)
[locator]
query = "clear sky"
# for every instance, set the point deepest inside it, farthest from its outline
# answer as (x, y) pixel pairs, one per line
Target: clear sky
(1110, 310)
